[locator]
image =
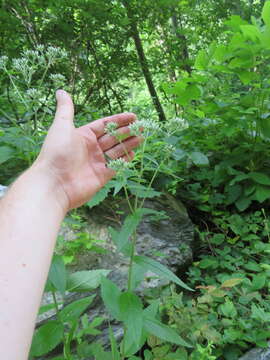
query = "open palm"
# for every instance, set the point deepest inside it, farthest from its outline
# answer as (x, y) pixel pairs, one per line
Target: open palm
(75, 156)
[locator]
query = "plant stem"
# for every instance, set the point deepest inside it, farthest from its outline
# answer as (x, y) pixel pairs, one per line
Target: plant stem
(55, 303)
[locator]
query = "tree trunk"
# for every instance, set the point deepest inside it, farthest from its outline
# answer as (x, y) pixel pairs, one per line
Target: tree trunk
(143, 61)
(185, 54)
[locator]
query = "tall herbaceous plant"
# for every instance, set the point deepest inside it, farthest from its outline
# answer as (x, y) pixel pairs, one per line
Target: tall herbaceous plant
(28, 100)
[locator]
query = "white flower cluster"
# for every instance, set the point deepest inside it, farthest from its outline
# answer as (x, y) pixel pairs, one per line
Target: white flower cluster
(110, 128)
(22, 66)
(58, 80)
(175, 124)
(33, 93)
(169, 149)
(118, 165)
(55, 54)
(143, 126)
(3, 62)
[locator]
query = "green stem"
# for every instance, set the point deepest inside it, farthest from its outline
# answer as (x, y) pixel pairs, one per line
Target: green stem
(55, 303)
(17, 90)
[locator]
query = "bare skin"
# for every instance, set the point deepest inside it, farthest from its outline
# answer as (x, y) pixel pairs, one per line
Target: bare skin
(69, 170)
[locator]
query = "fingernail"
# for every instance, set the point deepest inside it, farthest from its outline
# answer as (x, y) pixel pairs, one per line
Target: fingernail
(60, 93)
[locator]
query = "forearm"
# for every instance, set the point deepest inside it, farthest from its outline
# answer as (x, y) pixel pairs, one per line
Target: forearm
(30, 217)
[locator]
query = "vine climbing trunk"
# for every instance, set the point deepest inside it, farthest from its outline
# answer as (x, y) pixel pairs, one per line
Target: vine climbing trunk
(143, 61)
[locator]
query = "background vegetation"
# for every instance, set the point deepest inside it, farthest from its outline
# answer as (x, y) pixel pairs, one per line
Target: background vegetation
(198, 73)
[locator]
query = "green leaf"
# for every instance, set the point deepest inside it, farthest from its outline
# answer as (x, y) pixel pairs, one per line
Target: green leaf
(46, 338)
(259, 313)
(208, 263)
(131, 223)
(159, 269)
(45, 308)
(202, 60)
(6, 153)
(164, 332)
(152, 309)
(121, 238)
(266, 13)
(262, 193)
(258, 282)
(74, 310)
(234, 192)
(250, 32)
(131, 311)
(143, 191)
(228, 309)
(243, 203)
(57, 274)
(85, 280)
(246, 76)
(199, 159)
(231, 282)
(260, 178)
(99, 196)
(110, 295)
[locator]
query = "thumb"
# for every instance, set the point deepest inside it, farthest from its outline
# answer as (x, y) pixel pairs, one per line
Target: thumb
(64, 108)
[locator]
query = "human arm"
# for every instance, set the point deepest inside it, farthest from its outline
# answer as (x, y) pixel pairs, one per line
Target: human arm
(69, 171)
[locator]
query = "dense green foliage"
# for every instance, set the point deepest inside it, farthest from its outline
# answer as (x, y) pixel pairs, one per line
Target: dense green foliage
(197, 75)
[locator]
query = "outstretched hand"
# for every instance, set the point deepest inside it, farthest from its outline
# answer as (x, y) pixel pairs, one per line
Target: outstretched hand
(75, 156)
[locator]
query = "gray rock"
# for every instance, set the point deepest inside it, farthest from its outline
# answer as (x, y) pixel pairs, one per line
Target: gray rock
(3, 190)
(257, 354)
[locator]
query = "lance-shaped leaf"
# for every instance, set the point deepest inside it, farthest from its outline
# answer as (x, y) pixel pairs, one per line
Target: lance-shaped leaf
(110, 295)
(85, 280)
(47, 337)
(164, 332)
(74, 310)
(131, 312)
(57, 273)
(159, 269)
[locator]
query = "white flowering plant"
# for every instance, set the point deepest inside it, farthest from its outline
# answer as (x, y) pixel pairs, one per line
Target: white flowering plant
(135, 179)
(28, 101)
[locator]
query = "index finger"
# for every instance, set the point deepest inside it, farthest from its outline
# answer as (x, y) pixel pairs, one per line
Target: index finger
(98, 126)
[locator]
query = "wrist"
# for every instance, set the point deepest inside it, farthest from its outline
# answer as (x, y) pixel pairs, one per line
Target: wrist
(42, 178)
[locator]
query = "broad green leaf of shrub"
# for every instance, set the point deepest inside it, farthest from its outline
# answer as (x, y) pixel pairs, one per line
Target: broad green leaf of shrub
(231, 282)
(131, 311)
(228, 309)
(250, 32)
(258, 282)
(260, 178)
(110, 295)
(47, 337)
(159, 269)
(85, 280)
(262, 193)
(243, 203)
(246, 76)
(164, 332)
(57, 274)
(74, 310)
(6, 153)
(208, 263)
(199, 158)
(202, 60)
(266, 13)
(259, 313)
(234, 192)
